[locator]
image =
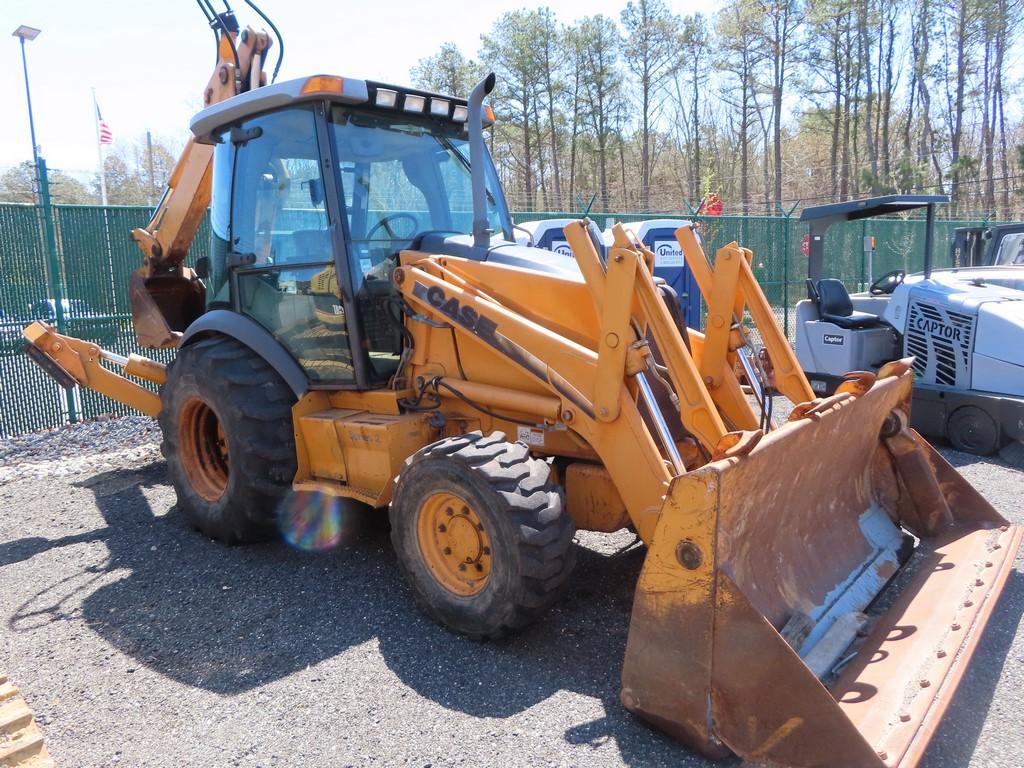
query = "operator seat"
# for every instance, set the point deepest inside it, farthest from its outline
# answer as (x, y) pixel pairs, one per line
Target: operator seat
(835, 306)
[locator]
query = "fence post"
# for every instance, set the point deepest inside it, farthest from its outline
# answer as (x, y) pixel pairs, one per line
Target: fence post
(785, 275)
(53, 266)
(862, 283)
(785, 264)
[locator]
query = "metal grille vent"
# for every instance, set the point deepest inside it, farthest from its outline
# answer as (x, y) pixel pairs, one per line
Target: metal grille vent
(940, 340)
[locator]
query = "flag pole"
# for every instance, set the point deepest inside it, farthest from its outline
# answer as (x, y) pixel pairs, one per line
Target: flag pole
(99, 148)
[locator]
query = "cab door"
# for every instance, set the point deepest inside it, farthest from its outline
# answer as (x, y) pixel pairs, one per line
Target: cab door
(281, 259)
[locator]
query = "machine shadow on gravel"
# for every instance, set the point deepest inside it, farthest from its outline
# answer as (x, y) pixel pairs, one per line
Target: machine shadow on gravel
(229, 620)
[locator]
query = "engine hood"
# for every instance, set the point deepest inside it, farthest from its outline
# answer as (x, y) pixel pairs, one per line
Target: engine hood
(1000, 333)
(500, 252)
(982, 307)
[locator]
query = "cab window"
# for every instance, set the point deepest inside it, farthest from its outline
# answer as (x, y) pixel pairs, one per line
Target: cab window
(280, 246)
(400, 177)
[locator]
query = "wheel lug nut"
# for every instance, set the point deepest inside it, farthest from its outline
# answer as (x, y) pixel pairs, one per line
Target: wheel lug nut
(487, 550)
(462, 566)
(450, 512)
(442, 528)
(479, 526)
(447, 550)
(479, 567)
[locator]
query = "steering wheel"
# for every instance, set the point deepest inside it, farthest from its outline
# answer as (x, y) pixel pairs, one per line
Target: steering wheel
(887, 283)
(387, 221)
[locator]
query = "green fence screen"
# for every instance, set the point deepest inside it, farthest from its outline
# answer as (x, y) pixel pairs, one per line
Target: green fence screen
(95, 255)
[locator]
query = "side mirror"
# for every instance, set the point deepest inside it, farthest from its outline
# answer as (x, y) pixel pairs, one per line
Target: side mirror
(316, 192)
(203, 267)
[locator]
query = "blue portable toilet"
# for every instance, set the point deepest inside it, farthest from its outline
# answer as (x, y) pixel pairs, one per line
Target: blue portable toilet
(669, 264)
(548, 234)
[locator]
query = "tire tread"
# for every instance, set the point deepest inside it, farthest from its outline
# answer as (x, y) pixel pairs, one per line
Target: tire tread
(543, 531)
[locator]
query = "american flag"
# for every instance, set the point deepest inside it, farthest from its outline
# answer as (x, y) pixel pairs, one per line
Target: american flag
(106, 135)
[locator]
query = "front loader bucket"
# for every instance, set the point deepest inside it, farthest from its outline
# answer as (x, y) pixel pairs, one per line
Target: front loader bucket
(762, 623)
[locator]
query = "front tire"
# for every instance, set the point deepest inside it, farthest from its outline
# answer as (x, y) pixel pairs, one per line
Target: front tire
(481, 534)
(228, 439)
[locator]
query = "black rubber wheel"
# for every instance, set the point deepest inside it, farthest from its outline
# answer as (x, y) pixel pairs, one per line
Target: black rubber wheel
(228, 439)
(972, 430)
(497, 507)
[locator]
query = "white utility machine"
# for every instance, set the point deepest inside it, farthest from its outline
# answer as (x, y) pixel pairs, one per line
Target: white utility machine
(964, 327)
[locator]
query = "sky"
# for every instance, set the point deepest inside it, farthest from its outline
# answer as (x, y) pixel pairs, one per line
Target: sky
(149, 60)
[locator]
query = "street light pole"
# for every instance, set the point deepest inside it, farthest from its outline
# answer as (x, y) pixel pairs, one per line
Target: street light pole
(24, 33)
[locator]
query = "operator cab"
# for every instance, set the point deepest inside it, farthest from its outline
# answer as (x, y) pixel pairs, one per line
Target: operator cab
(318, 184)
(998, 245)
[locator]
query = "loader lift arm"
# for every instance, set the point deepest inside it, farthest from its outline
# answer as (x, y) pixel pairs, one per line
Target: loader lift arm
(165, 295)
(751, 630)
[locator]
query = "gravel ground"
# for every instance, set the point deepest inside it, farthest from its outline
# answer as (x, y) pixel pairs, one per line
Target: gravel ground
(140, 643)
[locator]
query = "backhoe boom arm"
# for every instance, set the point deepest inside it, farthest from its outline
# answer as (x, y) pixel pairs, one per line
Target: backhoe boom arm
(165, 295)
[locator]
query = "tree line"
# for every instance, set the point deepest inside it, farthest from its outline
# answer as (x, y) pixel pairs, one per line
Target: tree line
(136, 174)
(766, 103)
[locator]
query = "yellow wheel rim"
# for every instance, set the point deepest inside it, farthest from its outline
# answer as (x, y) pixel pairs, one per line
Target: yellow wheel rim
(204, 449)
(454, 543)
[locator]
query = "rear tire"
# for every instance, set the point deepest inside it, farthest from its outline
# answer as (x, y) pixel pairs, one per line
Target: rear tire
(972, 430)
(481, 534)
(228, 439)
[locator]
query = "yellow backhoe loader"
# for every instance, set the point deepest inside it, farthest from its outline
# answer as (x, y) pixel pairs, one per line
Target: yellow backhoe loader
(21, 743)
(366, 328)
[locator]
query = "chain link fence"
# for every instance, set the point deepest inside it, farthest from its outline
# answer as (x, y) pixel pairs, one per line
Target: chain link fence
(80, 286)
(779, 262)
(78, 281)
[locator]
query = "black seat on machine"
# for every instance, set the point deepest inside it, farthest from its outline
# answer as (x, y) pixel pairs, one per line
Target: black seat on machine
(835, 306)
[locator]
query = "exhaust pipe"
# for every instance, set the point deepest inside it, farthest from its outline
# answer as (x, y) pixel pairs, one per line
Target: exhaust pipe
(481, 228)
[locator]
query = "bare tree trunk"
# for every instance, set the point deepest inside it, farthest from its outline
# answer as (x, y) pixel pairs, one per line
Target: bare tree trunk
(745, 140)
(602, 159)
(527, 150)
(997, 107)
(957, 107)
(885, 107)
(695, 187)
(927, 151)
(541, 164)
(855, 122)
(766, 175)
(574, 139)
(987, 127)
(625, 193)
(645, 147)
(864, 49)
(837, 115)
(782, 27)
